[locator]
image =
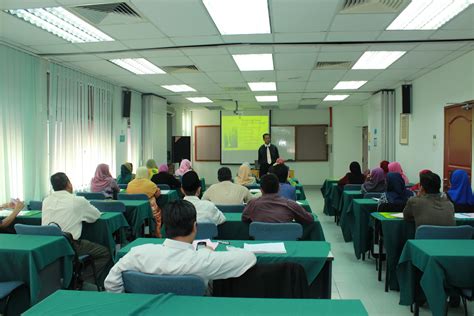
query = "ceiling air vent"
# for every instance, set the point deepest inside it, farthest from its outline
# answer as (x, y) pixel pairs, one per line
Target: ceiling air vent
(184, 69)
(372, 6)
(235, 88)
(223, 100)
(98, 12)
(270, 107)
(333, 65)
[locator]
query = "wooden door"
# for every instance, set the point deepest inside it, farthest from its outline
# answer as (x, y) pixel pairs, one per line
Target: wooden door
(365, 148)
(457, 140)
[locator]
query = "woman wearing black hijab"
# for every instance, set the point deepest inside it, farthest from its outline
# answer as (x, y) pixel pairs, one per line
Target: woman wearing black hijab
(355, 175)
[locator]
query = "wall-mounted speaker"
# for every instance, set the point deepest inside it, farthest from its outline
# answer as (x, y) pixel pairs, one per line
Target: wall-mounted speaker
(407, 98)
(127, 100)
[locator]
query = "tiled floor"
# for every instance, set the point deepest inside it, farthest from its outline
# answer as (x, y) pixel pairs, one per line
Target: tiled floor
(357, 279)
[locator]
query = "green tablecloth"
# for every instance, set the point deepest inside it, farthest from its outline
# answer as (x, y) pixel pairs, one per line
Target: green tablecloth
(358, 217)
(396, 232)
(166, 197)
(305, 205)
(310, 254)
(444, 263)
(22, 257)
(100, 232)
(94, 303)
(326, 190)
(301, 195)
(137, 212)
(346, 200)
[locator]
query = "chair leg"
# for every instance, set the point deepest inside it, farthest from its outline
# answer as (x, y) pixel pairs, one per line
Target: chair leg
(464, 303)
(95, 276)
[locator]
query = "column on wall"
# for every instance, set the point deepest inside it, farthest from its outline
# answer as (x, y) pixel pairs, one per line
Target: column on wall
(154, 128)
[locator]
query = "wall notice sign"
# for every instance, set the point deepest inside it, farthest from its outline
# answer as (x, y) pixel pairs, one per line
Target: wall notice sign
(122, 138)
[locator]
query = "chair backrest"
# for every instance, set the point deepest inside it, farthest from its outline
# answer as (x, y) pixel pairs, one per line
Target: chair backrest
(253, 186)
(234, 208)
(275, 231)
(126, 196)
(92, 195)
(444, 232)
(122, 186)
(163, 186)
(352, 187)
(137, 282)
(206, 230)
(370, 195)
(35, 205)
(47, 230)
(109, 206)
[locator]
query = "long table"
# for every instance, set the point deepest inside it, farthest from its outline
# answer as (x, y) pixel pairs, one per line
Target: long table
(167, 196)
(39, 261)
(234, 229)
(101, 231)
(346, 200)
(94, 303)
(443, 263)
(392, 234)
(314, 256)
(138, 214)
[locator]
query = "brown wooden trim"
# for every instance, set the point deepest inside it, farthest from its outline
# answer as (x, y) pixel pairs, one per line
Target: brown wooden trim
(195, 142)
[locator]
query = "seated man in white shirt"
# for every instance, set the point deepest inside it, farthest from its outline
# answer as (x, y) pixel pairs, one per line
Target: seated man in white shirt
(177, 256)
(206, 210)
(68, 211)
(226, 192)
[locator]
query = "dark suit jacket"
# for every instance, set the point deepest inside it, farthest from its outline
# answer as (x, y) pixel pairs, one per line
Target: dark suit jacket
(262, 154)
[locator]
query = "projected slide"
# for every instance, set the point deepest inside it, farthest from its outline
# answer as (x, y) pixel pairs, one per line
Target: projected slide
(241, 136)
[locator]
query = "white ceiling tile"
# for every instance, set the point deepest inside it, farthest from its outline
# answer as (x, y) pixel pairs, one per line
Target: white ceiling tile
(178, 18)
(161, 53)
(379, 85)
(361, 22)
(292, 75)
(132, 31)
(83, 2)
(256, 76)
(464, 20)
(418, 59)
(101, 46)
(108, 56)
(452, 56)
(163, 79)
(205, 51)
(102, 67)
(147, 43)
(193, 78)
(86, 57)
(312, 16)
(250, 49)
(290, 48)
(395, 74)
(300, 37)
(253, 38)
(296, 61)
(338, 56)
(352, 36)
(393, 47)
(323, 75)
(26, 4)
(405, 35)
(56, 49)
(452, 34)
(196, 40)
(310, 95)
(291, 86)
(171, 61)
(226, 77)
(361, 74)
(440, 46)
(215, 63)
(320, 86)
(344, 48)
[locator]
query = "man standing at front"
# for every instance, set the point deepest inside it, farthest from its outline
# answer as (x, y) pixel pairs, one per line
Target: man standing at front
(267, 155)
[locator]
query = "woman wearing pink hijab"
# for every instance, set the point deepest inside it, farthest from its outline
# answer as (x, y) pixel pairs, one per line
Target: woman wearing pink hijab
(103, 181)
(184, 167)
(397, 168)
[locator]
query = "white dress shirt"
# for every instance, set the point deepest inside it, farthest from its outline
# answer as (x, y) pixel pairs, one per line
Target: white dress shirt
(269, 156)
(206, 211)
(68, 211)
(227, 193)
(180, 258)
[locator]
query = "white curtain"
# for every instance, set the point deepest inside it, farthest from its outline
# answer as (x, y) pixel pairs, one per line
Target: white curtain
(23, 157)
(80, 124)
(388, 124)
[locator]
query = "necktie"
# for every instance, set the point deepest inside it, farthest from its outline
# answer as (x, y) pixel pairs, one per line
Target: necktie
(269, 157)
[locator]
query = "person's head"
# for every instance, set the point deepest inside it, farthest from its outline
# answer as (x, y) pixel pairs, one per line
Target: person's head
(102, 171)
(266, 138)
(458, 178)
(60, 182)
(430, 183)
(281, 171)
(151, 164)
(377, 175)
(142, 173)
(163, 168)
(185, 164)
(269, 184)
(191, 184)
(224, 174)
(395, 167)
(384, 165)
(354, 167)
(126, 168)
(179, 219)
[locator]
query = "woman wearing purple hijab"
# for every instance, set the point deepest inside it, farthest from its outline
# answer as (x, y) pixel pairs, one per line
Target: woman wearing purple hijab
(375, 181)
(103, 182)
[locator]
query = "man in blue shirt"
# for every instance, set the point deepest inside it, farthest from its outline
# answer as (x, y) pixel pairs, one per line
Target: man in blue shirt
(286, 189)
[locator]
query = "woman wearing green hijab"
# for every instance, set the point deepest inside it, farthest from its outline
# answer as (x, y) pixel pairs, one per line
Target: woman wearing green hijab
(125, 173)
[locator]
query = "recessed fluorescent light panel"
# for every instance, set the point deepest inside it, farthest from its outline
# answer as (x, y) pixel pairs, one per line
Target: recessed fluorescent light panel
(428, 14)
(139, 66)
(199, 100)
(336, 97)
(262, 86)
(179, 88)
(61, 23)
(254, 62)
(266, 98)
(377, 59)
(239, 16)
(349, 85)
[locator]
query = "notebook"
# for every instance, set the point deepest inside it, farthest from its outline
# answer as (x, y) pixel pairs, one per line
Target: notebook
(275, 247)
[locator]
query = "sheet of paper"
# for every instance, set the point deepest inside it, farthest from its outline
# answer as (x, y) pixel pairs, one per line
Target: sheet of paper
(375, 199)
(397, 215)
(464, 215)
(165, 191)
(209, 243)
(254, 191)
(274, 247)
(299, 202)
(5, 213)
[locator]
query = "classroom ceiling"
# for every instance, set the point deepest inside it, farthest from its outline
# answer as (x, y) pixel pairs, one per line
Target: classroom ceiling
(303, 34)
